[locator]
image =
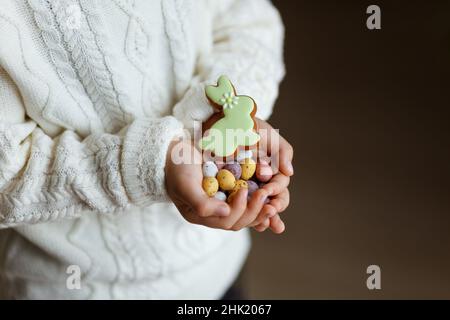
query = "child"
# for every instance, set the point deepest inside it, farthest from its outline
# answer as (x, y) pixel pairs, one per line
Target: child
(94, 96)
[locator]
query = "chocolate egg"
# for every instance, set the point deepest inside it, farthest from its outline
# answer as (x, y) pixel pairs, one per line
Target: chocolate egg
(210, 185)
(209, 169)
(240, 184)
(264, 172)
(235, 169)
(248, 168)
(220, 196)
(252, 187)
(226, 180)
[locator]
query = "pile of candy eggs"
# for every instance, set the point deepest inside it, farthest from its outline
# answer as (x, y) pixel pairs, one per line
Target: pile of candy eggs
(223, 180)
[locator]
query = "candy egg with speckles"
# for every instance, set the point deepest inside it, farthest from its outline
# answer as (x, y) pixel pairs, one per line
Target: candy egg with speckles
(234, 168)
(240, 184)
(209, 169)
(248, 168)
(226, 180)
(210, 185)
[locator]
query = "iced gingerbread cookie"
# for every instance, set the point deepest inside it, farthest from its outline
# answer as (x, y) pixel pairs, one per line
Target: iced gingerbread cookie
(233, 126)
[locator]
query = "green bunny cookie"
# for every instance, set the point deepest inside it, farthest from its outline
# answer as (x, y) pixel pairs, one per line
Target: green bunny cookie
(235, 129)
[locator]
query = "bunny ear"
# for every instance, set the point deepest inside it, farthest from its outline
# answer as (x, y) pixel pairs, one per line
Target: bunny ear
(216, 93)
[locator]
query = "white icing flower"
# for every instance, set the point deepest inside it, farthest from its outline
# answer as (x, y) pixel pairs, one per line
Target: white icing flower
(229, 100)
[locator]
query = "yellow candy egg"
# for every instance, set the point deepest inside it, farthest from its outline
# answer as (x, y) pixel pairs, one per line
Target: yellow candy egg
(240, 184)
(210, 185)
(248, 168)
(226, 180)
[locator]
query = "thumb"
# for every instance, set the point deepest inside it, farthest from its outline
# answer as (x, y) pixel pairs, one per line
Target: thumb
(201, 204)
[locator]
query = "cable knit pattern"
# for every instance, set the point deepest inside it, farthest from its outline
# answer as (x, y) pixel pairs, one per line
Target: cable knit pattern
(88, 175)
(92, 10)
(50, 35)
(137, 48)
(92, 92)
(179, 48)
(88, 61)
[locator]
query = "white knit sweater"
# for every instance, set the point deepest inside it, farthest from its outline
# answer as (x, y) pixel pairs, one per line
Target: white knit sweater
(91, 94)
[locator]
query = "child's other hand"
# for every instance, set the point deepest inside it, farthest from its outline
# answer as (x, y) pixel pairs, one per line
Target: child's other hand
(184, 186)
(281, 153)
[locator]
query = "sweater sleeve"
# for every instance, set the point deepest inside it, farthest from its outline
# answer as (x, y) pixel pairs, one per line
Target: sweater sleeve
(45, 178)
(247, 46)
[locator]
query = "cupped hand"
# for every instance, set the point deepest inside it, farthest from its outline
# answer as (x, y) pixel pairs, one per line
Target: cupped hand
(274, 147)
(184, 186)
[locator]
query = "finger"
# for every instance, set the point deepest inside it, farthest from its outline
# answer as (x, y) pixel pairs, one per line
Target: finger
(273, 144)
(281, 201)
(262, 226)
(238, 205)
(277, 184)
(202, 205)
(277, 225)
(269, 139)
(286, 154)
(267, 212)
(236, 210)
(253, 208)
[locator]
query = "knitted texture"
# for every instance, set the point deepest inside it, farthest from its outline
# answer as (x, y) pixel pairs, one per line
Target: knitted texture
(92, 92)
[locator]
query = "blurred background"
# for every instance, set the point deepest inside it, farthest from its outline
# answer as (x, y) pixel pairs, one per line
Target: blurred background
(368, 115)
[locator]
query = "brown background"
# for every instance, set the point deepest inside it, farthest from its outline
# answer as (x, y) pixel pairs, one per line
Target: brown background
(367, 113)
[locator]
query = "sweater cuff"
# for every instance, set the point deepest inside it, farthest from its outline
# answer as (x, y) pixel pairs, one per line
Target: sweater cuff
(193, 107)
(144, 158)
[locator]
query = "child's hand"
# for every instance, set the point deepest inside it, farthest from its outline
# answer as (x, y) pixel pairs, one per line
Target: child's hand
(281, 152)
(184, 186)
